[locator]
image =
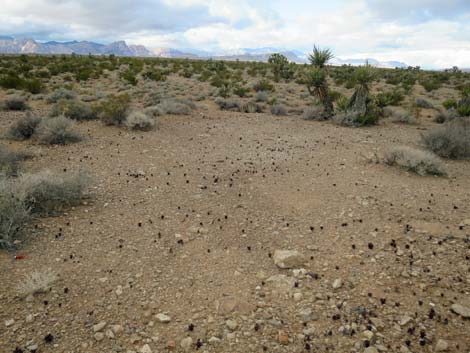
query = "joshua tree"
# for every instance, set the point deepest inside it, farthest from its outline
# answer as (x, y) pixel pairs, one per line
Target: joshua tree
(316, 79)
(280, 66)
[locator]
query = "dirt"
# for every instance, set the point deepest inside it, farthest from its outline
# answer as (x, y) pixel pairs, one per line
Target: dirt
(184, 220)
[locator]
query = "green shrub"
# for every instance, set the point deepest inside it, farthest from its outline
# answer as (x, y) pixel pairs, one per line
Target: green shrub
(393, 97)
(450, 103)
(430, 85)
(57, 131)
(23, 128)
(15, 103)
(342, 104)
(74, 110)
(130, 77)
(114, 110)
(241, 91)
(33, 86)
(11, 81)
(452, 140)
(263, 85)
(416, 161)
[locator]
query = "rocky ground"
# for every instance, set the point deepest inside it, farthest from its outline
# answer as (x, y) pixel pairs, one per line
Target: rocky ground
(229, 232)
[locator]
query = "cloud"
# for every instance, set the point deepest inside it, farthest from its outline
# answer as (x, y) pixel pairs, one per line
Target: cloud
(418, 10)
(419, 32)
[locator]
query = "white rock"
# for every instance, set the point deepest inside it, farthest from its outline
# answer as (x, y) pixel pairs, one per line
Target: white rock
(337, 283)
(99, 336)
(10, 322)
(441, 346)
(288, 259)
(186, 343)
(231, 324)
(100, 326)
(214, 340)
(145, 349)
(461, 310)
(371, 350)
(163, 318)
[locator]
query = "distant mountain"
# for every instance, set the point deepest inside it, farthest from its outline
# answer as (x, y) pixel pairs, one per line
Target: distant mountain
(373, 62)
(10, 45)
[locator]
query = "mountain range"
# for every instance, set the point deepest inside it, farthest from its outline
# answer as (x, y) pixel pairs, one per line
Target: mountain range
(10, 45)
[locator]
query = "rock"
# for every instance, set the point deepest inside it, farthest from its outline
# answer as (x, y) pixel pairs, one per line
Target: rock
(371, 350)
(171, 345)
(405, 320)
(368, 335)
(9, 323)
(283, 337)
(230, 305)
(32, 347)
(337, 284)
(288, 259)
(298, 296)
(461, 310)
(186, 343)
(214, 340)
(441, 346)
(145, 349)
(231, 324)
(281, 282)
(99, 327)
(99, 336)
(117, 329)
(163, 318)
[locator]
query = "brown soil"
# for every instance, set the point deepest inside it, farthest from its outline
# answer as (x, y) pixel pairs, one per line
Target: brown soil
(184, 221)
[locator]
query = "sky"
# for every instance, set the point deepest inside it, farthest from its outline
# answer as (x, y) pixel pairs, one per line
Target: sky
(426, 33)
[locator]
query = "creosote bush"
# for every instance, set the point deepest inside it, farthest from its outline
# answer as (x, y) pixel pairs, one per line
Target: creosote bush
(74, 110)
(416, 161)
(114, 110)
(451, 140)
(57, 131)
(138, 120)
(23, 128)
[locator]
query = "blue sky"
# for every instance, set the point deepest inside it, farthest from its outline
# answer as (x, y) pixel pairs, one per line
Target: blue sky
(429, 33)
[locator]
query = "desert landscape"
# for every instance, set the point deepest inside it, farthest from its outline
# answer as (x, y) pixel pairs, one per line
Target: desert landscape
(155, 205)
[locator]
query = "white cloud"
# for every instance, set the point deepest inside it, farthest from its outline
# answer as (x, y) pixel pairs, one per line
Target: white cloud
(419, 32)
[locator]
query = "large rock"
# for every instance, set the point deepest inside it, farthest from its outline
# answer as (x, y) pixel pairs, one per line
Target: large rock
(461, 310)
(288, 259)
(281, 283)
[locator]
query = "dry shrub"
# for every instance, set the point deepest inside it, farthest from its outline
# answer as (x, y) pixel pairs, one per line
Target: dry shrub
(277, 109)
(416, 161)
(57, 131)
(228, 104)
(24, 128)
(47, 193)
(452, 140)
(15, 103)
(59, 94)
(13, 213)
(74, 110)
(176, 106)
(10, 161)
(138, 120)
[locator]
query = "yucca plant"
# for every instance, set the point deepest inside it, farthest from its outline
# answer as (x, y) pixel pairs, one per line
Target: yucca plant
(316, 79)
(320, 57)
